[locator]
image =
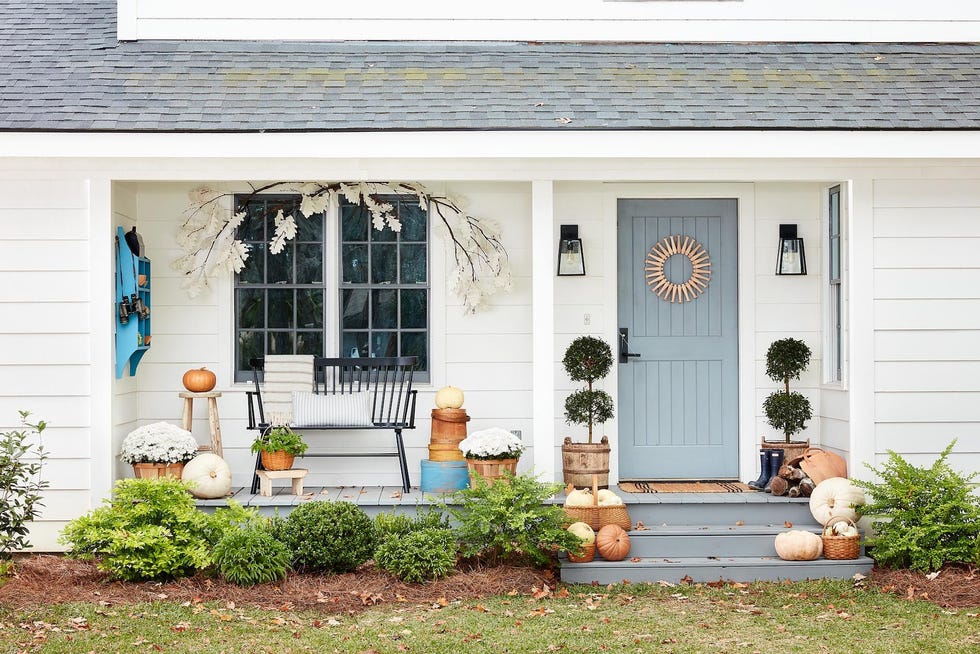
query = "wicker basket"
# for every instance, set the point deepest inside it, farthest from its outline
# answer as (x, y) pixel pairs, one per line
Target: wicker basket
(840, 548)
(588, 553)
(491, 470)
(597, 516)
(277, 460)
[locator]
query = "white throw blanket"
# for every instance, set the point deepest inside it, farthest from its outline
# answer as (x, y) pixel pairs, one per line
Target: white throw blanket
(284, 373)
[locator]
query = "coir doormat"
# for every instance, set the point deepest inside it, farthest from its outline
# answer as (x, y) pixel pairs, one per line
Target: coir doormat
(684, 487)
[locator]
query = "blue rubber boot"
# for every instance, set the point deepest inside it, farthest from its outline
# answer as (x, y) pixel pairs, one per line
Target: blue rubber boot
(775, 463)
(765, 464)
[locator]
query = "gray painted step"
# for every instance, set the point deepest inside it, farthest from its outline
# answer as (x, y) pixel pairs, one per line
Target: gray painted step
(720, 512)
(748, 540)
(701, 569)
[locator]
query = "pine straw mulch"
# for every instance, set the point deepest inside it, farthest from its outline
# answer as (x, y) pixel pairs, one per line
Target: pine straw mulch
(50, 579)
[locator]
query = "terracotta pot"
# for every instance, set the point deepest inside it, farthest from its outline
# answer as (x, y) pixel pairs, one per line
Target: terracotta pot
(158, 470)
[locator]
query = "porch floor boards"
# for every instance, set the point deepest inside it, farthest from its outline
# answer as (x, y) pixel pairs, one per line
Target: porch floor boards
(385, 496)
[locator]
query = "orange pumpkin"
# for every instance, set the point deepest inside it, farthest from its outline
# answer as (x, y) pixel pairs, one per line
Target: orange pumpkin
(613, 543)
(199, 380)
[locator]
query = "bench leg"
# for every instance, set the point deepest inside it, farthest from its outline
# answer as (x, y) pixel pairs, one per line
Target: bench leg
(255, 477)
(403, 463)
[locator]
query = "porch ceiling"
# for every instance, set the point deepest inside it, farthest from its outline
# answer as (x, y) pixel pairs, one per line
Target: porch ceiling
(61, 68)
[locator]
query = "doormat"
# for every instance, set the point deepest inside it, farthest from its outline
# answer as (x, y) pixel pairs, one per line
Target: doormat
(684, 487)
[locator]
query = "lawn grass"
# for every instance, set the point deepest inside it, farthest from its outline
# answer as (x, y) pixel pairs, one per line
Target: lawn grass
(811, 617)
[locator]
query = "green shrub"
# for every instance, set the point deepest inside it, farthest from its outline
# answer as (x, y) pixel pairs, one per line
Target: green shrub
(329, 536)
(417, 556)
(922, 517)
(399, 524)
(20, 484)
(510, 521)
(149, 529)
(251, 555)
(232, 518)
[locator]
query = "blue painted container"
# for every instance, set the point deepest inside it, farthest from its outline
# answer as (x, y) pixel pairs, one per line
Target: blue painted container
(444, 476)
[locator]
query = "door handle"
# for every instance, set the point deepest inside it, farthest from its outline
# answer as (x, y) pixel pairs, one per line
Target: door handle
(624, 346)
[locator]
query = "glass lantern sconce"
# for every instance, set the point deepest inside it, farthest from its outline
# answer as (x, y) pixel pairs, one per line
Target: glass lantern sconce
(792, 257)
(571, 258)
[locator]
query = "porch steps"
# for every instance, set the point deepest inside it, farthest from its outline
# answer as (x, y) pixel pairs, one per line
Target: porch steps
(709, 537)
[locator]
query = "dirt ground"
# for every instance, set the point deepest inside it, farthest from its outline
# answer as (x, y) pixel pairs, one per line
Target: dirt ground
(48, 579)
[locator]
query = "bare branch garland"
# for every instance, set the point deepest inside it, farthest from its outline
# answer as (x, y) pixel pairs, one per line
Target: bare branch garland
(208, 231)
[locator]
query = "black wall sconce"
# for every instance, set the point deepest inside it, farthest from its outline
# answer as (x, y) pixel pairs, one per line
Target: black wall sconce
(571, 258)
(792, 257)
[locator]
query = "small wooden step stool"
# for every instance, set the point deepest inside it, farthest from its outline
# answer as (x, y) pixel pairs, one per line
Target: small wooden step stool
(266, 477)
(213, 423)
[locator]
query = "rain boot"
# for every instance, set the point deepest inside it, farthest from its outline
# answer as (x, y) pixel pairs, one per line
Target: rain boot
(775, 462)
(765, 465)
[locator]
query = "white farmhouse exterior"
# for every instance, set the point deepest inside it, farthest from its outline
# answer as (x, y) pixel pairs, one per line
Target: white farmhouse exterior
(107, 124)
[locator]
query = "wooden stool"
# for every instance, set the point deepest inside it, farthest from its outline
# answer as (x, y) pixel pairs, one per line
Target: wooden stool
(266, 477)
(213, 423)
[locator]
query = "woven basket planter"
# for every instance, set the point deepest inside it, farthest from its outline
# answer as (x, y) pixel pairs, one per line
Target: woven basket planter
(278, 460)
(158, 470)
(597, 516)
(490, 469)
(841, 548)
(586, 556)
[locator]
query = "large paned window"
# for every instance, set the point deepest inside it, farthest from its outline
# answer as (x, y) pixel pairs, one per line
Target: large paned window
(282, 301)
(835, 349)
(384, 283)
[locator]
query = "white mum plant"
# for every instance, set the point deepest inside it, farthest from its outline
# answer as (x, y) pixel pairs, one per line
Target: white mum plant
(159, 442)
(493, 443)
(208, 233)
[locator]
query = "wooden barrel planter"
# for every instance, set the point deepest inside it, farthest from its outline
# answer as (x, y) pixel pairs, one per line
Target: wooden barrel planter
(448, 429)
(791, 450)
(579, 461)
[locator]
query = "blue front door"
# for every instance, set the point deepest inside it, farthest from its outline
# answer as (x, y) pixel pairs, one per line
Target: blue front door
(678, 311)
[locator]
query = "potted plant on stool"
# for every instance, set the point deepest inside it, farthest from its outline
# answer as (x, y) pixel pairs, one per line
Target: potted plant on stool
(587, 359)
(785, 410)
(279, 446)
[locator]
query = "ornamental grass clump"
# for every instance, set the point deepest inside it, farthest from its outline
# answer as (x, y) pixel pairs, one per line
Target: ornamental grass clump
(159, 442)
(923, 518)
(493, 443)
(251, 555)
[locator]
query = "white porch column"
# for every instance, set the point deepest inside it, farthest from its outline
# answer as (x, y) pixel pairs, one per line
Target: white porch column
(543, 248)
(860, 326)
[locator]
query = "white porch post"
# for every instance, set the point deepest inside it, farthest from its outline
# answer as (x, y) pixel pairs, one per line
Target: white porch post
(543, 246)
(860, 327)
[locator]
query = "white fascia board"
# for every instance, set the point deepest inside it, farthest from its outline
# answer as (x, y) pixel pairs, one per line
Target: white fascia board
(529, 145)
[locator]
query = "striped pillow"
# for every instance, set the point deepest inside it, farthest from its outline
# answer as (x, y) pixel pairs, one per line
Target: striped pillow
(341, 410)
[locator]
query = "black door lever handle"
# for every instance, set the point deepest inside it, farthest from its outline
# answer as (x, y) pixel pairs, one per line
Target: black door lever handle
(624, 346)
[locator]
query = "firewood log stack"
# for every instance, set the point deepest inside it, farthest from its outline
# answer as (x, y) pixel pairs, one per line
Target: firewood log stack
(792, 481)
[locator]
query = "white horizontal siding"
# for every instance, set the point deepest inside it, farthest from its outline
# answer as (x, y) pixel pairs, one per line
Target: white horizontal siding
(927, 318)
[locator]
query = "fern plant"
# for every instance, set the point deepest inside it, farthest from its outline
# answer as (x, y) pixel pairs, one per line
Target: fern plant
(923, 518)
(510, 522)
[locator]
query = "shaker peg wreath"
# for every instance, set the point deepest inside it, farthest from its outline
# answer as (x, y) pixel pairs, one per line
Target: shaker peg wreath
(694, 252)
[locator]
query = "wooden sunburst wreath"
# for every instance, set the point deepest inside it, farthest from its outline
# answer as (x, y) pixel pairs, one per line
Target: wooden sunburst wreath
(657, 279)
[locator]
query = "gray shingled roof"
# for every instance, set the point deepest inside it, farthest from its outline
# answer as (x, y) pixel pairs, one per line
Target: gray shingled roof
(61, 68)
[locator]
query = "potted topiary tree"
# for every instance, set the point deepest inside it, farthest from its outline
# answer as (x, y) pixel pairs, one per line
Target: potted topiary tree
(587, 359)
(786, 411)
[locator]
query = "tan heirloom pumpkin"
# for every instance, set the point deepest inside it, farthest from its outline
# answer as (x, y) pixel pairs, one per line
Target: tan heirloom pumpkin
(449, 397)
(835, 497)
(209, 476)
(798, 545)
(583, 531)
(613, 543)
(199, 380)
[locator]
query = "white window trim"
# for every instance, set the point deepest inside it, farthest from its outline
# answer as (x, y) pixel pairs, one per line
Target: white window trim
(829, 329)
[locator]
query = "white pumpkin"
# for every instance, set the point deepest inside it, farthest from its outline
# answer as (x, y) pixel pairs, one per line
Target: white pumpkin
(449, 397)
(835, 497)
(579, 498)
(209, 476)
(798, 545)
(608, 498)
(583, 531)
